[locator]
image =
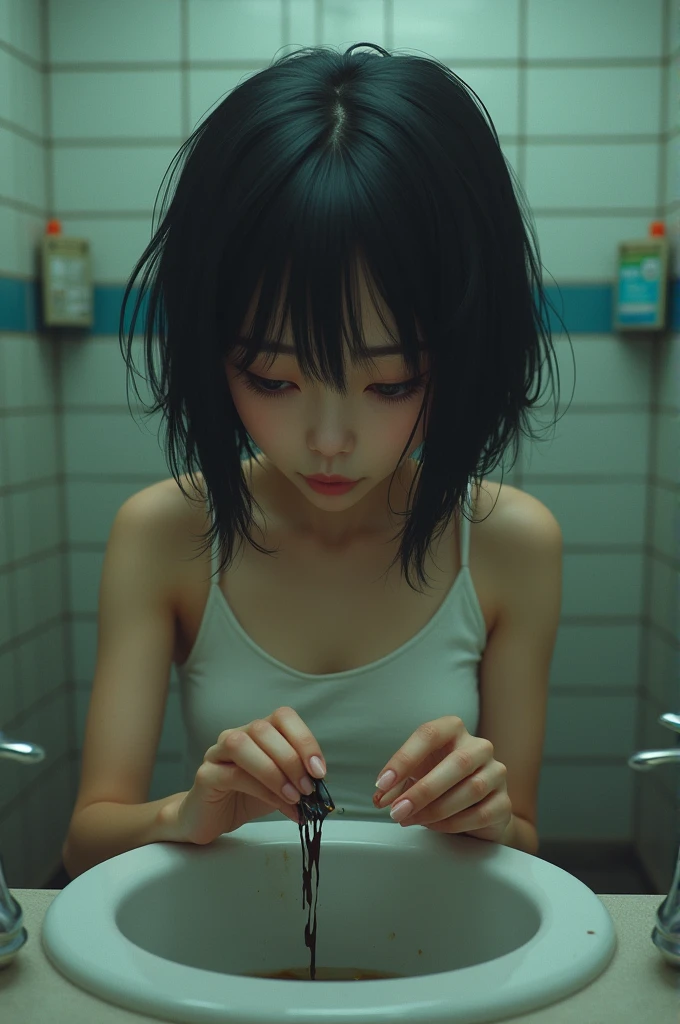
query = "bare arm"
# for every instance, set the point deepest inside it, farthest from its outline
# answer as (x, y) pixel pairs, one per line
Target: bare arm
(136, 636)
(105, 829)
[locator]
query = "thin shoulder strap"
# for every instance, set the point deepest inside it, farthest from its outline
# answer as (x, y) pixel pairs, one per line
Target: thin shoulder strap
(465, 532)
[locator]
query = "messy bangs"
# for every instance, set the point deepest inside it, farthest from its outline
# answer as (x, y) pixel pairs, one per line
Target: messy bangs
(319, 168)
(320, 301)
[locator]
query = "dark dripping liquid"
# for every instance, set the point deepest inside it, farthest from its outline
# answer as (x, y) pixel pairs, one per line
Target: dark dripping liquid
(313, 851)
(312, 810)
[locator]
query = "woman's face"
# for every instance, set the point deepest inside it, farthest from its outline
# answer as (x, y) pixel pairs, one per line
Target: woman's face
(303, 429)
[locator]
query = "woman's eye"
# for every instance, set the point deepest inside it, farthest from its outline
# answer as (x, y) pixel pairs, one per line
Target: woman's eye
(261, 386)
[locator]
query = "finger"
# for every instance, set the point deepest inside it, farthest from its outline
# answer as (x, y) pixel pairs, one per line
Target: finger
(427, 738)
(268, 757)
(482, 815)
(384, 799)
(287, 721)
(219, 778)
(466, 796)
(453, 771)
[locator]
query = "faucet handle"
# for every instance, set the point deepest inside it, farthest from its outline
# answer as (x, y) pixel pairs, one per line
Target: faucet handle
(13, 935)
(666, 933)
(19, 750)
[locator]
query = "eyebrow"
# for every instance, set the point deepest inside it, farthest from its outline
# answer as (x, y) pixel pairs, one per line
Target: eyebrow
(289, 350)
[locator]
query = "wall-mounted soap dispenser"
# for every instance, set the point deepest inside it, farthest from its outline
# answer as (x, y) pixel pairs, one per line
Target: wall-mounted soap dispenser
(67, 292)
(641, 295)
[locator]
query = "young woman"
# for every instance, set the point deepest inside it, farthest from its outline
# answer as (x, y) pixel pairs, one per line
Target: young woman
(341, 285)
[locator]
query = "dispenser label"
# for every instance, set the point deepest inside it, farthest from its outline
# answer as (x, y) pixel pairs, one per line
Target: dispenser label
(70, 294)
(639, 289)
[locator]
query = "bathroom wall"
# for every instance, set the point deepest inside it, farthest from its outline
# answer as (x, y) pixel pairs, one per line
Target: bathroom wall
(657, 826)
(36, 702)
(584, 99)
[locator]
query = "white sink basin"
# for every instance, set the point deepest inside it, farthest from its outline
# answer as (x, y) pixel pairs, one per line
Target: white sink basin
(474, 931)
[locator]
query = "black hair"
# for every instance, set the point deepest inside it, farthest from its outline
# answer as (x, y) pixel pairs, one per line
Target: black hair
(319, 163)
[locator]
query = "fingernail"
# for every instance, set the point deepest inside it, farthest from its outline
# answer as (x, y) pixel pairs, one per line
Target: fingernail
(401, 810)
(386, 780)
(306, 785)
(317, 766)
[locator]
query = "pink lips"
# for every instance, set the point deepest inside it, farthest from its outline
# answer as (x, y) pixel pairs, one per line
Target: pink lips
(330, 489)
(331, 479)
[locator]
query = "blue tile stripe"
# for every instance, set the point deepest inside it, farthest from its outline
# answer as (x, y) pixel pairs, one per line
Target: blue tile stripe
(585, 308)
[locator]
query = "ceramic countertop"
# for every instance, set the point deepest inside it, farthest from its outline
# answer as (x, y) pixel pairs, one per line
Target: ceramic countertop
(638, 986)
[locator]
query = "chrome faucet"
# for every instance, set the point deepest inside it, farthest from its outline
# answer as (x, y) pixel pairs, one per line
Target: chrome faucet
(666, 932)
(13, 935)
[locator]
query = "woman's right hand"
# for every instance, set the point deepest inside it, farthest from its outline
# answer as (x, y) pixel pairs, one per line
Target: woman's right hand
(243, 774)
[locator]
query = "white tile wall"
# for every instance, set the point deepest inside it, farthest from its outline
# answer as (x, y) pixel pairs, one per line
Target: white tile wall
(660, 679)
(34, 702)
(584, 141)
(94, 374)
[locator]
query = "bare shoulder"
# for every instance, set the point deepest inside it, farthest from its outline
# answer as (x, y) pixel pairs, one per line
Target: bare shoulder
(174, 507)
(179, 520)
(513, 510)
(519, 529)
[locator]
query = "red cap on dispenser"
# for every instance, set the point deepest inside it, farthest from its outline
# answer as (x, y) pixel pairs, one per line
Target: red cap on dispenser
(657, 227)
(53, 227)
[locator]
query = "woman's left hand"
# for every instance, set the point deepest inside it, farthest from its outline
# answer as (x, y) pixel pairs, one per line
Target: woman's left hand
(452, 780)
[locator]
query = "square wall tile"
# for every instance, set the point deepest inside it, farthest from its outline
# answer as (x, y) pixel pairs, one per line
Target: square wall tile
(585, 802)
(352, 21)
(31, 447)
(84, 646)
(36, 520)
(560, 100)
(661, 676)
(30, 370)
(244, 30)
(108, 443)
(585, 30)
(601, 514)
(593, 443)
(591, 726)
(603, 370)
(663, 605)
(20, 26)
(21, 94)
(47, 814)
(92, 507)
(8, 688)
(596, 656)
(39, 591)
(7, 624)
(447, 30)
(601, 174)
(103, 179)
(86, 571)
(6, 545)
(666, 522)
(96, 31)
(602, 584)
(42, 666)
(116, 104)
(94, 373)
(667, 453)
